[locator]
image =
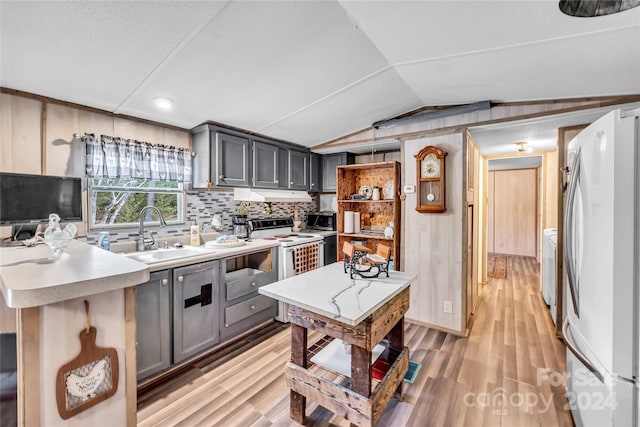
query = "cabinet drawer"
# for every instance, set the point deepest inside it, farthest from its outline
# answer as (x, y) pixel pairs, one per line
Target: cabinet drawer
(247, 280)
(245, 309)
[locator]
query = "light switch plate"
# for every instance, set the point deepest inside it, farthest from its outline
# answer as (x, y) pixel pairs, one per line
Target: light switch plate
(408, 189)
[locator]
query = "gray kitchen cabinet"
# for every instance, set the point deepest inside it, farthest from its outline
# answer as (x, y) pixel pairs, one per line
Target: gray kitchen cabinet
(329, 164)
(315, 172)
(221, 159)
(232, 161)
(283, 172)
(195, 309)
(266, 161)
(298, 170)
(153, 320)
(242, 307)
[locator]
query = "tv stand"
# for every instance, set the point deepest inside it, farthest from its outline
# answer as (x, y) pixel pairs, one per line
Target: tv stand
(23, 231)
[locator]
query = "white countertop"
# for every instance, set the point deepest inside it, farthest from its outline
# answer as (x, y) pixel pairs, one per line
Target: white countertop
(27, 279)
(211, 254)
(330, 292)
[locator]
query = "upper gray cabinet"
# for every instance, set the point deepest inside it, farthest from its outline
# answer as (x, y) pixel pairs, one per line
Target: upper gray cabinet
(298, 170)
(315, 174)
(266, 161)
(232, 161)
(221, 159)
(229, 158)
(329, 164)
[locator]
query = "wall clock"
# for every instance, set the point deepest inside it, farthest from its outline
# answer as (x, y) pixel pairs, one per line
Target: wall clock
(430, 174)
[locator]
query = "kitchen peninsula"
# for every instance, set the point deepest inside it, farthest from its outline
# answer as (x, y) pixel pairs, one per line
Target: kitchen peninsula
(49, 298)
(361, 313)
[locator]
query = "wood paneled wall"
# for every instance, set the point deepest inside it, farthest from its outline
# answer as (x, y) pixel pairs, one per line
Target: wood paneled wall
(36, 137)
(513, 212)
(433, 242)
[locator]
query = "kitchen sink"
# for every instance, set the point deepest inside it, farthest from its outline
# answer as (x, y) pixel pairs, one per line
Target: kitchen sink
(161, 255)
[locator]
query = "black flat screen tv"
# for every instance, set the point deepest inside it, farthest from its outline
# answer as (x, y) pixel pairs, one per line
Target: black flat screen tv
(29, 199)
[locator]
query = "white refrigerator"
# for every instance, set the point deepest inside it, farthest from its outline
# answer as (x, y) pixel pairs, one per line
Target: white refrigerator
(601, 259)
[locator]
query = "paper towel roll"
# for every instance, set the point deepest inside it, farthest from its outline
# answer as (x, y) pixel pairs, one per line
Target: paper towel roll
(356, 222)
(348, 222)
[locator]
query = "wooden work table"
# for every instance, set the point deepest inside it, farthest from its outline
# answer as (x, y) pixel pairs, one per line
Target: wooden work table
(360, 312)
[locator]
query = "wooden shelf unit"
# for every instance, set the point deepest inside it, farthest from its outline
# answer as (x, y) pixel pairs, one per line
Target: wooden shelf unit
(373, 213)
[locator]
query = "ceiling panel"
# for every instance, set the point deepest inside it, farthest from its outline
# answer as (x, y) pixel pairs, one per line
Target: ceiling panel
(420, 30)
(311, 71)
(92, 53)
(596, 64)
(384, 95)
(257, 63)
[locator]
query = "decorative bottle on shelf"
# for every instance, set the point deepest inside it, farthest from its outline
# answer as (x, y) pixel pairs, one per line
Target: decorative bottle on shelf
(376, 193)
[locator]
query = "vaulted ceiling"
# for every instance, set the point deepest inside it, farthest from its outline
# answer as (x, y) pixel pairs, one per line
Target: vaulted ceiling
(310, 71)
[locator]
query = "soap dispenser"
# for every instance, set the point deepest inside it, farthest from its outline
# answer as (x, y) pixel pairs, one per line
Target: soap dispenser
(195, 234)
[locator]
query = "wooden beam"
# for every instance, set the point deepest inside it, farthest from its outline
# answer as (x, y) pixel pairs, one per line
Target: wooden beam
(298, 402)
(28, 354)
(131, 386)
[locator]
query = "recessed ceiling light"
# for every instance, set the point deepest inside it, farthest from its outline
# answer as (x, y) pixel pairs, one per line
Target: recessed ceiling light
(163, 103)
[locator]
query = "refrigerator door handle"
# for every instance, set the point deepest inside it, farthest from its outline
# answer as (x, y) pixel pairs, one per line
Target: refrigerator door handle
(576, 352)
(568, 233)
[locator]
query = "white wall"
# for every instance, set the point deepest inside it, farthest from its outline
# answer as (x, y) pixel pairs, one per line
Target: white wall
(433, 242)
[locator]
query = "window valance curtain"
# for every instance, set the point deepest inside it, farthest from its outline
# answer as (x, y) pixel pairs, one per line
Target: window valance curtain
(112, 157)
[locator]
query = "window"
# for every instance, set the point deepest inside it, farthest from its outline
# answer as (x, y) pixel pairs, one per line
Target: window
(117, 202)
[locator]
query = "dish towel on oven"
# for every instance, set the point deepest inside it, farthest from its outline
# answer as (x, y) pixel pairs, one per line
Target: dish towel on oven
(305, 257)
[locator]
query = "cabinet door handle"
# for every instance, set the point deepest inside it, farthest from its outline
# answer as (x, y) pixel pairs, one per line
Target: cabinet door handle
(165, 282)
(277, 181)
(312, 184)
(253, 284)
(253, 307)
(291, 182)
(180, 279)
(221, 177)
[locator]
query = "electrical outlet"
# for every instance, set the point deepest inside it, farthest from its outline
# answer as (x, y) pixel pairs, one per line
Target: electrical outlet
(448, 307)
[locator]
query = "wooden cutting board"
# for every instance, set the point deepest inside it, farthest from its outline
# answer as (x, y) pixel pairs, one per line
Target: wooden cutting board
(88, 379)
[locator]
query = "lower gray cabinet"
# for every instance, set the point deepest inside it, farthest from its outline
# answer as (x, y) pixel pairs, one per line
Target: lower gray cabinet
(242, 307)
(153, 319)
(195, 309)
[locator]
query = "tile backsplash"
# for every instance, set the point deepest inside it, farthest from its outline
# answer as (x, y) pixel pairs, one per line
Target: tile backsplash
(203, 204)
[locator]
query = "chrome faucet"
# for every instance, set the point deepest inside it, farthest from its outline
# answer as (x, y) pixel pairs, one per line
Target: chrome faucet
(143, 244)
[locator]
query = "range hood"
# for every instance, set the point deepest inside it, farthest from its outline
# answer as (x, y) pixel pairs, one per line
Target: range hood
(259, 195)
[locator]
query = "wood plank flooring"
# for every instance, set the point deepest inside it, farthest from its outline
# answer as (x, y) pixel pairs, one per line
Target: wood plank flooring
(498, 376)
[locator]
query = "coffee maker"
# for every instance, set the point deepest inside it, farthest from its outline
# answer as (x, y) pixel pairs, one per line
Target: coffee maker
(241, 227)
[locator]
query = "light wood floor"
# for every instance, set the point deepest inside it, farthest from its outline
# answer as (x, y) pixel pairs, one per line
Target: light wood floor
(498, 376)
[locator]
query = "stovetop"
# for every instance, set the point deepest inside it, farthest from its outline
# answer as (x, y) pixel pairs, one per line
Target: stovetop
(281, 229)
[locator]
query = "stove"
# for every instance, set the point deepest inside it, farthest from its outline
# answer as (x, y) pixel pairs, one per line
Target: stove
(297, 251)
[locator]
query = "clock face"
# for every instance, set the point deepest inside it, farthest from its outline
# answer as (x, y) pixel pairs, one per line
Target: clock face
(430, 167)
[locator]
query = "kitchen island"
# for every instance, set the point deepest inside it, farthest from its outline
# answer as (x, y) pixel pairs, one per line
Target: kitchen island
(362, 313)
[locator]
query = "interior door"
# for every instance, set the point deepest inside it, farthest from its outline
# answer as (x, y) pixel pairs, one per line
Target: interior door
(515, 212)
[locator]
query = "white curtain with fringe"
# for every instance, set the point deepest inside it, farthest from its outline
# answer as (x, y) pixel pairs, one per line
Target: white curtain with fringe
(112, 157)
